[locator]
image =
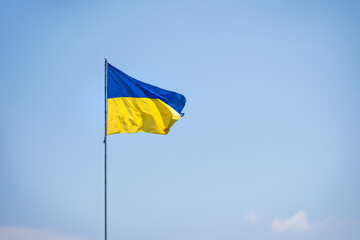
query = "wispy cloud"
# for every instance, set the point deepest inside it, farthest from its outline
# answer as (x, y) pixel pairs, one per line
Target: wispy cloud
(17, 233)
(298, 222)
(253, 216)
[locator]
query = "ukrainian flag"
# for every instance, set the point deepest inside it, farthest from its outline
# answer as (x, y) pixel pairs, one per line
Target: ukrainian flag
(135, 106)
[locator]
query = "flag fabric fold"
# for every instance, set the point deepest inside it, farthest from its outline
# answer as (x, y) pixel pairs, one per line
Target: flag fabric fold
(135, 106)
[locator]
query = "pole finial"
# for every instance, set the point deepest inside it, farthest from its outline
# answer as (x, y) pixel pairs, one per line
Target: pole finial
(105, 58)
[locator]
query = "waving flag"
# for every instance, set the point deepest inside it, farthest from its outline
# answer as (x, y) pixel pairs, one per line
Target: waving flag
(135, 106)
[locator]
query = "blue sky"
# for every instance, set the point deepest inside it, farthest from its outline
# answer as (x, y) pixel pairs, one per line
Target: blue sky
(268, 147)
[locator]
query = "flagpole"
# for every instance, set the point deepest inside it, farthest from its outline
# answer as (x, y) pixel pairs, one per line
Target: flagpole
(105, 150)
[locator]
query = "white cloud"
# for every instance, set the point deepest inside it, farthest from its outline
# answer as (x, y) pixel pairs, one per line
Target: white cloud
(298, 222)
(17, 233)
(252, 216)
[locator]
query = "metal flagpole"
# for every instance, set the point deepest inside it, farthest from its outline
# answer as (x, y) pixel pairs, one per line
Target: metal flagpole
(105, 142)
